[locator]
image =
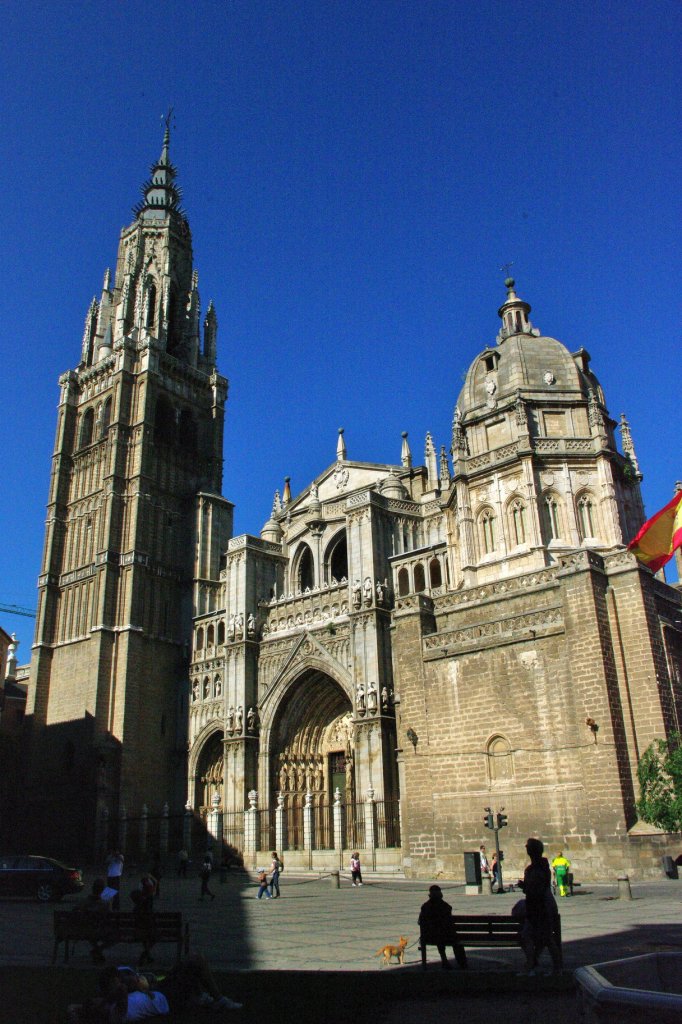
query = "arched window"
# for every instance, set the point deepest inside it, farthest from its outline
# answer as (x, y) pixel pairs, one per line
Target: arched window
(150, 316)
(106, 418)
(500, 760)
(403, 582)
(338, 559)
(87, 427)
(517, 515)
(419, 579)
(305, 575)
(164, 422)
(435, 574)
(221, 633)
(486, 525)
(552, 517)
(210, 636)
(586, 516)
(187, 431)
(200, 639)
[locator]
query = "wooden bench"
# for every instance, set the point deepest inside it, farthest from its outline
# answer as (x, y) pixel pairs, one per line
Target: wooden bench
(72, 926)
(480, 930)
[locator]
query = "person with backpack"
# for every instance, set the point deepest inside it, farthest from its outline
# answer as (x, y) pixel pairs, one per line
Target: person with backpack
(277, 867)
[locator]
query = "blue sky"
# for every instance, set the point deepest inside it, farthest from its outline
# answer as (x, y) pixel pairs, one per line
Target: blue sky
(355, 175)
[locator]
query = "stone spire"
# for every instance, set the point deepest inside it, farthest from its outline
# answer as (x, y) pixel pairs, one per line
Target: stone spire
(405, 453)
(431, 462)
(286, 494)
(444, 468)
(340, 447)
(161, 195)
(628, 445)
(211, 335)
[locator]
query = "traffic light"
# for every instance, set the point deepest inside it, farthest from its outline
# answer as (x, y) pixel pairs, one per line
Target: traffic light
(501, 856)
(501, 820)
(488, 820)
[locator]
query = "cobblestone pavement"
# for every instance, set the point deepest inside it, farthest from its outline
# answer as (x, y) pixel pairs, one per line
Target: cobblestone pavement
(317, 927)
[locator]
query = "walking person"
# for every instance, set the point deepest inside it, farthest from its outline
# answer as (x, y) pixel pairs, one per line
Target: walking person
(114, 873)
(205, 874)
(183, 861)
(561, 867)
(263, 885)
(494, 873)
(540, 910)
(355, 870)
(276, 868)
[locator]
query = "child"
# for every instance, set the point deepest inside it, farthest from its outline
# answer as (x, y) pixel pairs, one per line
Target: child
(263, 885)
(355, 872)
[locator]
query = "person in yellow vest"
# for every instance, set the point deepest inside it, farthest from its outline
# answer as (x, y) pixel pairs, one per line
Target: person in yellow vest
(561, 866)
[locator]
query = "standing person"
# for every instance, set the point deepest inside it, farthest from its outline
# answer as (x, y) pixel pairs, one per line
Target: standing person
(263, 885)
(114, 873)
(435, 920)
(183, 861)
(494, 873)
(205, 874)
(355, 870)
(536, 886)
(561, 866)
(485, 866)
(143, 910)
(276, 868)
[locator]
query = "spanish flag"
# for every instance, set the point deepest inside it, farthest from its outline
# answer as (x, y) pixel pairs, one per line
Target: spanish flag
(656, 541)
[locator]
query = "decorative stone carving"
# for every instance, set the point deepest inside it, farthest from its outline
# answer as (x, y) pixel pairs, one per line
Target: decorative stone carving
(251, 720)
(239, 720)
(360, 698)
(384, 698)
(372, 698)
(239, 626)
(368, 590)
(380, 593)
(357, 594)
(229, 721)
(251, 625)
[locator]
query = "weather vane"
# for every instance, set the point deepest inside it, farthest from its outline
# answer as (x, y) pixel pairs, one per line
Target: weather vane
(167, 119)
(506, 267)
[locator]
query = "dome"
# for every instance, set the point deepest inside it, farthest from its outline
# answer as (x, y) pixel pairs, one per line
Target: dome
(525, 363)
(391, 487)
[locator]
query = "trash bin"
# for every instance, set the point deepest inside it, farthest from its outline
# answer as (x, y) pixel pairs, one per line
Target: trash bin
(669, 867)
(472, 868)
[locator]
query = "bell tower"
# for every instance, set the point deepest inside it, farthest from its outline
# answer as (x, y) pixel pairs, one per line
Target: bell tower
(139, 437)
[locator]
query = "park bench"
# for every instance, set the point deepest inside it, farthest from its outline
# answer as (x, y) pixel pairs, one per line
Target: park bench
(72, 926)
(479, 930)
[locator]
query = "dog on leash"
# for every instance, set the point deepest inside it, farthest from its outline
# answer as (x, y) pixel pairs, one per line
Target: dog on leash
(388, 951)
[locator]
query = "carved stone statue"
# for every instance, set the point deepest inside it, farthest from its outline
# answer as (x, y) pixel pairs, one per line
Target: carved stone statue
(372, 698)
(357, 594)
(251, 625)
(369, 591)
(229, 722)
(380, 593)
(195, 690)
(207, 688)
(239, 720)
(251, 720)
(360, 697)
(384, 698)
(218, 687)
(239, 626)
(231, 627)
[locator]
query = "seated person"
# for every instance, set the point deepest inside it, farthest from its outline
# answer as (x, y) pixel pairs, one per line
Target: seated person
(129, 996)
(96, 907)
(435, 921)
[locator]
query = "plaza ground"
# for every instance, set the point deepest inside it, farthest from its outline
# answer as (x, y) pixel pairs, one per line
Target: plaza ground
(311, 954)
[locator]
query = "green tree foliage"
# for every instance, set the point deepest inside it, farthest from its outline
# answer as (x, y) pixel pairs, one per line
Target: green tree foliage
(660, 779)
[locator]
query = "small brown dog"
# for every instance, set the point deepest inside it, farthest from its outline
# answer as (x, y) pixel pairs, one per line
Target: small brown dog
(393, 951)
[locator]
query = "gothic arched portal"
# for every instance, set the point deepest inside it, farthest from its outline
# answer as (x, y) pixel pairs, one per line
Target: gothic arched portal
(209, 774)
(312, 747)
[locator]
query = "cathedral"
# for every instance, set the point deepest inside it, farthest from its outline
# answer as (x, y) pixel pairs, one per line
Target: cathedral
(400, 648)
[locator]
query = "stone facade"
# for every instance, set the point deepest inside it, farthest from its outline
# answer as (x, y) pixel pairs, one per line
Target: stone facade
(401, 647)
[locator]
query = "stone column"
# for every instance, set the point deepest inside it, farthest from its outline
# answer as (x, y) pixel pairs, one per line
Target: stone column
(308, 822)
(215, 820)
(370, 821)
(163, 831)
(251, 823)
(337, 812)
(187, 827)
(144, 827)
(123, 831)
(281, 837)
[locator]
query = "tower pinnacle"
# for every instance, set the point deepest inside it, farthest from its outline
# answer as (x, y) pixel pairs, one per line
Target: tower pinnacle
(160, 193)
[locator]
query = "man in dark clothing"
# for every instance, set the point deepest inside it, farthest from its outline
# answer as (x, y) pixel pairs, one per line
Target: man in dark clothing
(437, 926)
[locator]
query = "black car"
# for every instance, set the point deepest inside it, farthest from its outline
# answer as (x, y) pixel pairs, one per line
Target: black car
(41, 877)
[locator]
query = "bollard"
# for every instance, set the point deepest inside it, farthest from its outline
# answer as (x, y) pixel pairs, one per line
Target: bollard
(336, 881)
(624, 890)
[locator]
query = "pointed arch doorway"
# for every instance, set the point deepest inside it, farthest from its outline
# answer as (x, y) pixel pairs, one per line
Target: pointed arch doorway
(312, 751)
